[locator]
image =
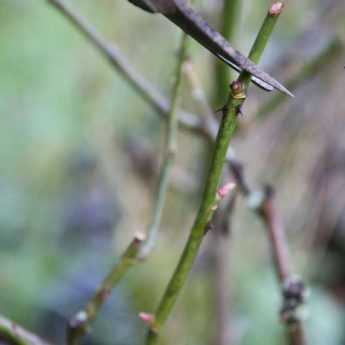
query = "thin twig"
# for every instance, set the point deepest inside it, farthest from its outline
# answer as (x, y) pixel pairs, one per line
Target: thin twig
(14, 334)
(276, 235)
(141, 246)
(79, 324)
(292, 287)
(169, 155)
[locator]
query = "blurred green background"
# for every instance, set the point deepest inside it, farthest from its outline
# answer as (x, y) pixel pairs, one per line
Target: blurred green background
(79, 158)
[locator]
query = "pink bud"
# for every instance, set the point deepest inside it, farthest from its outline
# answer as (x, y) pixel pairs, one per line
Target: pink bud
(276, 9)
(225, 190)
(147, 318)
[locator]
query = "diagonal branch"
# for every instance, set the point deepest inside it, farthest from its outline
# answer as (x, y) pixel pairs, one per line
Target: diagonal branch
(141, 245)
(79, 324)
(120, 63)
(14, 334)
(169, 155)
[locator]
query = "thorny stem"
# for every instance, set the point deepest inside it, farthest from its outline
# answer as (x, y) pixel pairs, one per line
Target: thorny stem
(189, 121)
(79, 324)
(206, 210)
(255, 54)
(13, 334)
(169, 154)
(218, 247)
(262, 38)
(227, 128)
(144, 89)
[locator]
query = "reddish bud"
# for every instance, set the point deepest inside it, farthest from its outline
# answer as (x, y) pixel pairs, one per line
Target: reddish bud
(225, 190)
(276, 9)
(147, 318)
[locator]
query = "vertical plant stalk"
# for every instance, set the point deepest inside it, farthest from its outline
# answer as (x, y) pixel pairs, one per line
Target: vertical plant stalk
(206, 210)
(227, 128)
(141, 245)
(219, 242)
(13, 334)
(231, 17)
(218, 245)
(169, 154)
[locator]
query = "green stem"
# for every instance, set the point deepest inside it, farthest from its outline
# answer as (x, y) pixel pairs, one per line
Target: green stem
(227, 128)
(140, 247)
(231, 15)
(262, 38)
(206, 210)
(80, 322)
(169, 154)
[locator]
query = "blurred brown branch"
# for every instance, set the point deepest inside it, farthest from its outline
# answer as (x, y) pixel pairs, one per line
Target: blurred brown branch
(293, 290)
